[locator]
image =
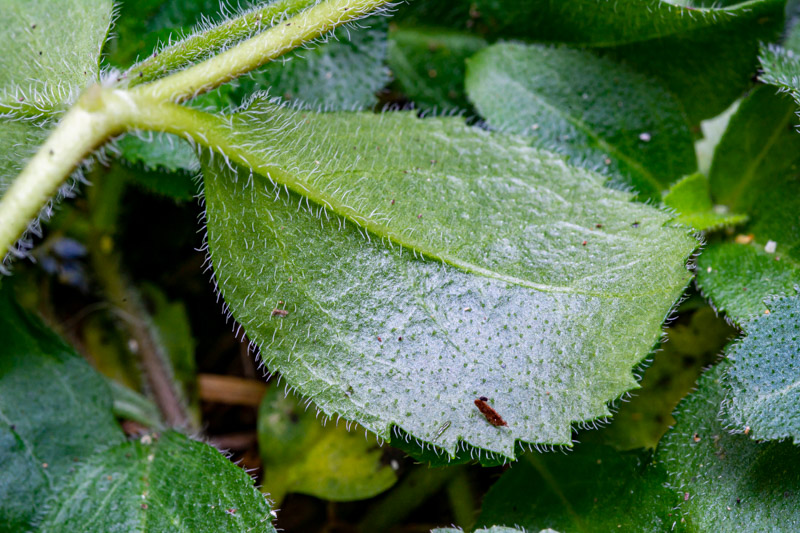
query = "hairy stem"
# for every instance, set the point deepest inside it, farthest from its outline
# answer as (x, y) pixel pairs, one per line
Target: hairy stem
(102, 113)
(203, 43)
(85, 127)
(262, 48)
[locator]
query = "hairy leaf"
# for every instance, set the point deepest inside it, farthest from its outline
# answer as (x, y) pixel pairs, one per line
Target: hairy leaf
(54, 410)
(706, 57)
(690, 346)
(594, 488)
(754, 172)
(429, 66)
(728, 482)
(52, 50)
(160, 483)
(691, 198)
(300, 455)
(781, 67)
(601, 114)
(417, 265)
(18, 142)
(740, 278)
(763, 377)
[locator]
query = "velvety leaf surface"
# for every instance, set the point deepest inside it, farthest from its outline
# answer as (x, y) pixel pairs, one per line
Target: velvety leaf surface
(781, 67)
(593, 488)
(764, 374)
(706, 57)
(160, 483)
(754, 172)
(600, 113)
(740, 278)
(52, 49)
(429, 65)
(18, 142)
(691, 198)
(54, 410)
(482, 272)
(301, 455)
(728, 482)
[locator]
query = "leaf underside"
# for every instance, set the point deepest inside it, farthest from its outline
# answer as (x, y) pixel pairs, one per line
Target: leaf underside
(408, 323)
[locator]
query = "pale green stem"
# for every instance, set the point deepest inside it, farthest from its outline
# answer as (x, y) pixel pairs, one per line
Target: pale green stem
(203, 43)
(253, 53)
(85, 127)
(103, 113)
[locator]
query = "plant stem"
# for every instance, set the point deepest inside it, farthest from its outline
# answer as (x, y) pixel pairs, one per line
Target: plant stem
(85, 127)
(203, 43)
(253, 53)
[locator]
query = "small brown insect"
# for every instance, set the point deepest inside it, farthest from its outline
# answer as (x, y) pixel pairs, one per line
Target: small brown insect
(491, 415)
(279, 312)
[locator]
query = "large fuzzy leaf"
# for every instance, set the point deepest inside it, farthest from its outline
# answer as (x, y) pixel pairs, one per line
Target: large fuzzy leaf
(600, 113)
(728, 482)
(754, 172)
(52, 49)
(763, 395)
(690, 346)
(416, 265)
(704, 56)
(592, 489)
(54, 410)
(160, 483)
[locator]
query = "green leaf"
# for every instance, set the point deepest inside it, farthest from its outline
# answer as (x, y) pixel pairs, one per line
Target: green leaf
(706, 57)
(758, 148)
(739, 278)
(18, 142)
(690, 346)
(54, 410)
(728, 482)
(754, 172)
(429, 65)
(160, 152)
(53, 51)
(430, 264)
(301, 455)
(159, 483)
(691, 198)
(594, 488)
(781, 68)
(763, 375)
(600, 113)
